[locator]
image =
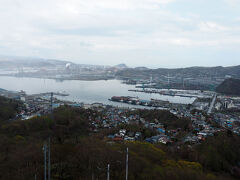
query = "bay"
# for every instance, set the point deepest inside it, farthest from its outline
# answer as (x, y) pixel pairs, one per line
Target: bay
(83, 91)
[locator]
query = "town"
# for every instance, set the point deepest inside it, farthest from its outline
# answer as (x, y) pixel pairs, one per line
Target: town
(206, 116)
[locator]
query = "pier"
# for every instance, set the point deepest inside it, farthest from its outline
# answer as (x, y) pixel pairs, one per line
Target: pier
(165, 93)
(155, 103)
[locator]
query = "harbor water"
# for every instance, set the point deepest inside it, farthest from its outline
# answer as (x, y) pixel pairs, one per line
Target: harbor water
(84, 91)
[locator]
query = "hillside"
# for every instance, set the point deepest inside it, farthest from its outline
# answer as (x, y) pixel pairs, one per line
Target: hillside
(18, 62)
(229, 87)
(192, 72)
(8, 108)
(79, 154)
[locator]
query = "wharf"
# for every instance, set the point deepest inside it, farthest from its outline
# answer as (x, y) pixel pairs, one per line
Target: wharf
(155, 103)
(164, 93)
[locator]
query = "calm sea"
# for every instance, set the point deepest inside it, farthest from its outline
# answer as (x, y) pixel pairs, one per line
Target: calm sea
(83, 91)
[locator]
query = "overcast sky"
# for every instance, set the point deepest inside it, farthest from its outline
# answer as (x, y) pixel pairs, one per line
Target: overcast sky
(153, 33)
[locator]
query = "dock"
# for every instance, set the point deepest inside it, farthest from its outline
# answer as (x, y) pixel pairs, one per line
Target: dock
(163, 93)
(156, 103)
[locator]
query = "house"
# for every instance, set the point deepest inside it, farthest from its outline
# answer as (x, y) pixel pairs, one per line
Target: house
(56, 105)
(138, 134)
(161, 130)
(218, 106)
(123, 131)
(76, 105)
(126, 138)
(118, 139)
(191, 139)
(111, 136)
(202, 134)
(97, 105)
(87, 106)
(131, 134)
(163, 140)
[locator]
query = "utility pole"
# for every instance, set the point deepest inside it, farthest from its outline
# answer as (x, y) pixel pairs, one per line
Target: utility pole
(49, 159)
(183, 83)
(151, 78)
(127, 165)
(108, 173)
(168, 80)
(47, 149)
(49, 140)
(51, 104)
(45, 161)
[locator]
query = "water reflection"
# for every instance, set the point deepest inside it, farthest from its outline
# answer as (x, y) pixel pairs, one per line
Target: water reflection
(83, 91)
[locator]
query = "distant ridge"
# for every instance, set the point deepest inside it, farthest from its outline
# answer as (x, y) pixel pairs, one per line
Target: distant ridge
(13, 62)
(141, 68)
(123, 69)
(191, 72)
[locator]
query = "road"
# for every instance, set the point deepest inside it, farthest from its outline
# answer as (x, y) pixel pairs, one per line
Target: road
(212, 104)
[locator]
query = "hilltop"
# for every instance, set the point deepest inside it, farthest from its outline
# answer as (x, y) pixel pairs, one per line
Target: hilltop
(229, 87)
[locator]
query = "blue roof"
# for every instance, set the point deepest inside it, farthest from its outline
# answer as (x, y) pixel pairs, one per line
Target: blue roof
(111, 136)
(149, 140)
(76, 105)
(144, 101)
(161, 130)
(56, 105)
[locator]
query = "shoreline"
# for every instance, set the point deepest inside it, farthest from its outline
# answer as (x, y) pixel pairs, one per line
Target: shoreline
(87, 78)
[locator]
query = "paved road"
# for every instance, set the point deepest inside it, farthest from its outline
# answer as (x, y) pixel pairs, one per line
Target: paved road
(212, 104)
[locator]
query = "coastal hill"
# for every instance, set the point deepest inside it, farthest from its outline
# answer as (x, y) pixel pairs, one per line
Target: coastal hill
(8, 108)
(192, 72)
(77, 153)
(122, 70)
(229, 86)
(121, 66)
(30, 62)
(34, 62)
(190, 78)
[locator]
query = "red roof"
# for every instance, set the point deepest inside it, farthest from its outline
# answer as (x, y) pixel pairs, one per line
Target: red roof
(118, 139)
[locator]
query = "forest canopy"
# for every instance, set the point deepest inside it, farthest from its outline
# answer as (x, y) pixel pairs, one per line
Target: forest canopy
(77, 153)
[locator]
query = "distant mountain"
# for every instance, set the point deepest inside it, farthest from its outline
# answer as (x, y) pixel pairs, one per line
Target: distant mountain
(121, 66)
(190, 72)
(18, 62)
(229, 87)
(8, 62)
